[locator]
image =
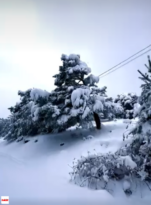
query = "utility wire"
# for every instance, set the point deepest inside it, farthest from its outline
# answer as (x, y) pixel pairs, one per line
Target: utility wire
(124, 64)
(124, 60)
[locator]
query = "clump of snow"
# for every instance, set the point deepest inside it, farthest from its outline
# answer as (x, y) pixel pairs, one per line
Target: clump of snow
(98, 106)
(127, 101)
(77, 65)
(63, 119)
(34, 110)
(94, 79)
(143, 174)
(67, 101)
(91, 80)
(74, 112)
(78, 96)
(126, 185)
(73, 57)
(64, 57)
(136, 110)
(118, 107)
(70, 88)
(36, 93)
(82, 67)
(127, 161)
(86, 112)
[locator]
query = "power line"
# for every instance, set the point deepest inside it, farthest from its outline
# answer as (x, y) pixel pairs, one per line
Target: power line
(124, 60)
(125, 63)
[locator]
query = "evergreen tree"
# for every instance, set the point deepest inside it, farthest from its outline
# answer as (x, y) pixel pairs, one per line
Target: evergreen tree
(76, 95)
(141, 144)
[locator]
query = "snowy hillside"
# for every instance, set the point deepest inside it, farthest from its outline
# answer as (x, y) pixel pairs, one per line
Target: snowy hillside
(38, 172)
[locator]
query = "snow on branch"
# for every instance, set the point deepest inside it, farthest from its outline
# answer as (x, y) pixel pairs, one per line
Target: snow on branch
(36, 93)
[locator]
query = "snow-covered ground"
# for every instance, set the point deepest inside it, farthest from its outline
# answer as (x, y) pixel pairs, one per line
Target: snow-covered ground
(38, 172)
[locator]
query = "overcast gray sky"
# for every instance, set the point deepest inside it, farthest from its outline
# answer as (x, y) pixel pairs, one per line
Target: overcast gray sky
(34, 34)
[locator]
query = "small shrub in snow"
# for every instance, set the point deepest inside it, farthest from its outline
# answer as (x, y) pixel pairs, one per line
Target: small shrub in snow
(100, 169)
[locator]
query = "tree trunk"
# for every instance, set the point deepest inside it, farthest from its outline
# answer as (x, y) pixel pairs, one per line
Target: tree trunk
(97, 120)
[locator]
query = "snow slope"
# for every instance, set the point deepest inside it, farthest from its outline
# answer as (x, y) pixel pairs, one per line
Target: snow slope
(38, 173)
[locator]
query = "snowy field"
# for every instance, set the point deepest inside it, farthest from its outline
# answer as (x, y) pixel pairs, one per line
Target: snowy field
(38, 172)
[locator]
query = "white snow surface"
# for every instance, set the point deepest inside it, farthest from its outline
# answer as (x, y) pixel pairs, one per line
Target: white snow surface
(38, 173)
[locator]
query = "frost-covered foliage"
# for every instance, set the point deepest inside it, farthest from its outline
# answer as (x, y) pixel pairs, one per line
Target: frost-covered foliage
(129, 102)
(131, 161)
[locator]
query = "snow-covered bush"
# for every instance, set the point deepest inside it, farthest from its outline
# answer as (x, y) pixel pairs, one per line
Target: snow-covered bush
(128, 102)
(97, 171)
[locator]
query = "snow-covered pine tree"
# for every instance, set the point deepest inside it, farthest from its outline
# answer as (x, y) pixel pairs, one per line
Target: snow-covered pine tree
(141, 144)
(21, 119)
(76, 95)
